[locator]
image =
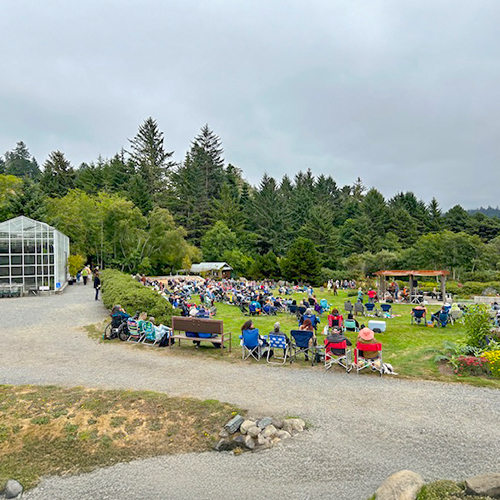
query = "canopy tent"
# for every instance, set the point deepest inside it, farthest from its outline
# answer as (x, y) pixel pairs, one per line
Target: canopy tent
(383, 275)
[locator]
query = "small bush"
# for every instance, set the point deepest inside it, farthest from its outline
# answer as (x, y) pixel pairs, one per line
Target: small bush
(472, 365)
(477, 324)
(120, 288)
(439, 490)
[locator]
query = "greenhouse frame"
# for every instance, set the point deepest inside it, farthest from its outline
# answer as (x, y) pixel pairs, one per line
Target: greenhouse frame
(33, 255)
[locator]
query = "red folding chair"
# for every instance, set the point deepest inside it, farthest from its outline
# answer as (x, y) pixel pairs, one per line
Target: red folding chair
(336, 321)
(342, 360)
(374, 363)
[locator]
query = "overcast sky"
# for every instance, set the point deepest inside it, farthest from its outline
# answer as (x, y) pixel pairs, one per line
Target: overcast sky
(403, 93)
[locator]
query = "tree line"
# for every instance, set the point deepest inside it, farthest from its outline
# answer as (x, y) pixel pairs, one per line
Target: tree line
(141, 211)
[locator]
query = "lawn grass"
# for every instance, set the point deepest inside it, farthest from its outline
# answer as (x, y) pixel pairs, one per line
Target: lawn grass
(47, 430)
(409, 348)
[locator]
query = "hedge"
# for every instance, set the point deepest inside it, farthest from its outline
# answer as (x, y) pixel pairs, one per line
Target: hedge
(120, 288)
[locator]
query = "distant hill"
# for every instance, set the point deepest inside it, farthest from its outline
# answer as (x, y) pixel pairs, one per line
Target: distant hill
(490, 211)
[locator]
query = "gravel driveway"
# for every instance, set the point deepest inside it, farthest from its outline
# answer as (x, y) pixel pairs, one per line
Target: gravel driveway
(363, 428)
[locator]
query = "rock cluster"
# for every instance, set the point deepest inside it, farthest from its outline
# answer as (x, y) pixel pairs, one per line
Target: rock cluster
(257, 434)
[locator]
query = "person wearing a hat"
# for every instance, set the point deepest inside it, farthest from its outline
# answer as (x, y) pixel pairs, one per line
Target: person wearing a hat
(366, 336)
(335, 337)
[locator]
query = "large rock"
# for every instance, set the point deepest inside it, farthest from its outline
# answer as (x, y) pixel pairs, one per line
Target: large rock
(245, 440)
(283, 434)
(403, 485)
(225, 444)
(263, 442)
(264, 422)
(270, 431)
(234, 424)
(486, 485)
(13, 489)
(278, 423)
(247, 424)
(287, 426)
(254, 431)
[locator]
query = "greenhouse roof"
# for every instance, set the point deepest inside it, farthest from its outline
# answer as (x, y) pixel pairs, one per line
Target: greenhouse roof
(23, 223)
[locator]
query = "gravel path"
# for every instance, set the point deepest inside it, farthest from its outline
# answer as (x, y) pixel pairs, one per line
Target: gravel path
(364, 428)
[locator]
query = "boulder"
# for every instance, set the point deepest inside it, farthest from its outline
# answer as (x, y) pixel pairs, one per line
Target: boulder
(486, 485)
(247, 424)
(223, 433)
(263, 442)
(277, 423)
(234, 424)
(270, 431)
(254, 431)
(245, 440)
(287, 426)
(403, 485)
(283, 434)
(264, 422)
(13, 489)
(225, 444)
(297, 424)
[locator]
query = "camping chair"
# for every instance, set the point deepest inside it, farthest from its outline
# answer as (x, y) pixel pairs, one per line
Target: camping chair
(374, 363)
(350, 326)
(134, 335)
(348, 306)
(455, 315)
(277, 342)
(250, 345)
(371, 309)
(417, 316)
(313, 318)
(443, 319)
(149, 334)
(324, 305)
(386, 308)
(359, 308)
(252, 308)
(301, 344)
(336, 321)
(343, 360)
(292, 309)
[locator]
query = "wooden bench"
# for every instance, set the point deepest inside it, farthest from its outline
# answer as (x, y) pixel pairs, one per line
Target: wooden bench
(200, 325)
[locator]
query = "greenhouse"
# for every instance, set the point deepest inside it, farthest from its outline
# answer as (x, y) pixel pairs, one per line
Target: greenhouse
(33, 255)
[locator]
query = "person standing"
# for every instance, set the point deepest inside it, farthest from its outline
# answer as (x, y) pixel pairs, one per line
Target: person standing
(85, 275)
(97, 285)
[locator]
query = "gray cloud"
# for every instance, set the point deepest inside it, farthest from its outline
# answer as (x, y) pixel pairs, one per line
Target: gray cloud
(402, 94)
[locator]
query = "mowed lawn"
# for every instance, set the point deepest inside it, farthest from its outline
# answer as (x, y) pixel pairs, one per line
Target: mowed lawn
(411, 349)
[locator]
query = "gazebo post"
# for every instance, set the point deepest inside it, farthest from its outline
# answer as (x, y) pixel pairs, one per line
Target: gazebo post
(443, 288)
(411, 287)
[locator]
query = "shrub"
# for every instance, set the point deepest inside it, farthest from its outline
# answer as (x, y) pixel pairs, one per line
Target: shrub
(493, 359)
(120, 288)
(75, 263)
(477, 324)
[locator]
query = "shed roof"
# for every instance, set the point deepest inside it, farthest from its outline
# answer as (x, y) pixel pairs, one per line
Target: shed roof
(210, 266)
(421, 272)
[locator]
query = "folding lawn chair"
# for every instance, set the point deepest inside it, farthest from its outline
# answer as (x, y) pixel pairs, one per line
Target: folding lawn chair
(374, 363)
(348, 306)
(350, 325)
(252, 308)
(342, 360)
(443, 319)
(417, 316)
(250, 346)
(386, 308)
(324, 305)
(336, 321)
(302, 344)
(149, 334)
(134, 335)
(359, 308)
(370, 308)
(277, 342)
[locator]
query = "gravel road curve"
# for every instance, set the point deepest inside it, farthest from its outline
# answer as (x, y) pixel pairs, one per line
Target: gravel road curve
(363, 428)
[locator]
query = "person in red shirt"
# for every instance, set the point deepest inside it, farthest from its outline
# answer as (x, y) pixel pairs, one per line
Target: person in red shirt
(371, 295)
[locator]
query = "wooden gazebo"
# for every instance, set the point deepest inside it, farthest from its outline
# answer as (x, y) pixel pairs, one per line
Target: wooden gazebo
(383, 275)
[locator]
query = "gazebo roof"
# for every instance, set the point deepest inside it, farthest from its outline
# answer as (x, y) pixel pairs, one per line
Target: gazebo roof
(421, 272)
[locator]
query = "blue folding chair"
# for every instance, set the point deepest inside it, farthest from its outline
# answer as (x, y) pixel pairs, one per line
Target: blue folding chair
(386, 308)
(417, 316)
(443, 319)
(301, 344)
(250, 346)
(370, 308)
(277, 342)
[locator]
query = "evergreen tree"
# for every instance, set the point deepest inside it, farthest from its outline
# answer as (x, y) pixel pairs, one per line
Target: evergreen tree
(58, 175)
(149, 156)
(435, 215)
(456, 219)
(20, 163)
(138, 192)
(301, 262)
(227, 208)
(28, 201)
(117, 173)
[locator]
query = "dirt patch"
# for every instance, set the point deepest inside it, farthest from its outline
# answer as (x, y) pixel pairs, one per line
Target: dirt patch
(445, 368)
(51, 430)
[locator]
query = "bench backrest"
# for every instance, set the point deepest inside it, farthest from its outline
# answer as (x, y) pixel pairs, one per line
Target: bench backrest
(197, 325)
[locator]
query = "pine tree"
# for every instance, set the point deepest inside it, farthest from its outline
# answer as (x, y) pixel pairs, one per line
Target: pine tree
(58, 175)
(149, 156)
(138, 192)
(434, 215)
(20, 163)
